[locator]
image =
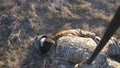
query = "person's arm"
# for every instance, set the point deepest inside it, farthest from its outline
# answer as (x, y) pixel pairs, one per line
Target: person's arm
(113, 47)
(89, 34)
(83, 33)
(75, 32)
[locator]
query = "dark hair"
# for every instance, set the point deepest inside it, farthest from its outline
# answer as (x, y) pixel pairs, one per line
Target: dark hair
(48, 42)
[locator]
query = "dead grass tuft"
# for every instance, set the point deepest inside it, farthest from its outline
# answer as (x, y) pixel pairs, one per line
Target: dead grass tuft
(98, 30)
(85, 26)
(82, 6)
(103, 17)
(67, 26)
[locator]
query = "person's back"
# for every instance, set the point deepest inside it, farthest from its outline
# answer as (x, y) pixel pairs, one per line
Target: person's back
(75, 46)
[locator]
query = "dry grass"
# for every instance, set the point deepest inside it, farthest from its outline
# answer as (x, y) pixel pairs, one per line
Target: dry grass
(81, 6)
(67, 26)
(103, 17)
(43, 19)
(98, 30)
(15, 54)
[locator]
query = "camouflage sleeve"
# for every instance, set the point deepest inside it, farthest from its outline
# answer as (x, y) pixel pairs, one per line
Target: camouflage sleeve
(75, 32)
(84, 33)
(113, 47)
(100, 62)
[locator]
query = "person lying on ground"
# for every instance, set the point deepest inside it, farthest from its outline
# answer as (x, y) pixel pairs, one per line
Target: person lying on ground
(71, 47)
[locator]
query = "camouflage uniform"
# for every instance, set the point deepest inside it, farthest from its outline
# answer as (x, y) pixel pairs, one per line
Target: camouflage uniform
(71, 49)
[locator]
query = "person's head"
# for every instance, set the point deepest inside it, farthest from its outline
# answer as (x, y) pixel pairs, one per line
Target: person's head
(45, 44)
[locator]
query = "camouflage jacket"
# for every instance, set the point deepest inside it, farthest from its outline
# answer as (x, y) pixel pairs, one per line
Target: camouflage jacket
(71, 48)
